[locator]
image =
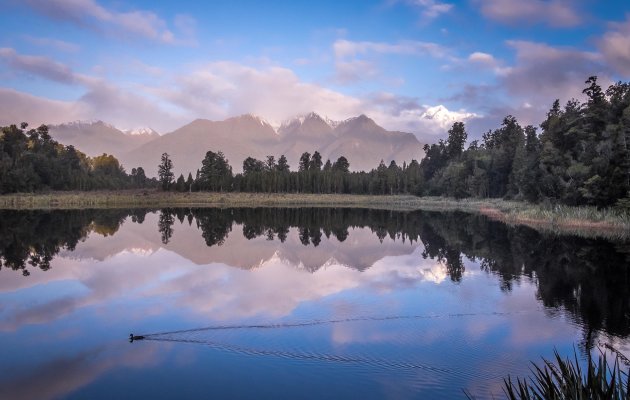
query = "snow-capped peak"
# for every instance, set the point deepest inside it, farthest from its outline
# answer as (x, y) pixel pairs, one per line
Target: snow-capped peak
(444, 117)
(84, 122)
(300, 119)
(141, 131)
(332, 123)
(260, 120)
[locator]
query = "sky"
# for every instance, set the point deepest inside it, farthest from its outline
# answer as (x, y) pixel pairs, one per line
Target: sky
(411, 65)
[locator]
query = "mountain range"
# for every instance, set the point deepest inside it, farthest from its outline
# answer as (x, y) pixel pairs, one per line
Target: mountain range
(359, 139)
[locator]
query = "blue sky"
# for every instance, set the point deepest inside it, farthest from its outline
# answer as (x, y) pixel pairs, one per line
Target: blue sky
(412, 65)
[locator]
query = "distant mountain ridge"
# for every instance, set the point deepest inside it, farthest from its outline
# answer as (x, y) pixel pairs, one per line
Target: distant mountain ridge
(97, 137)
(363, 142)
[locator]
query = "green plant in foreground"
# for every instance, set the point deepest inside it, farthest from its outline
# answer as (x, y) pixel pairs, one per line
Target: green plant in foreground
(565, 379)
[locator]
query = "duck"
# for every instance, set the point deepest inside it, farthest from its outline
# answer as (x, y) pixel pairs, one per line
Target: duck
(132, 337)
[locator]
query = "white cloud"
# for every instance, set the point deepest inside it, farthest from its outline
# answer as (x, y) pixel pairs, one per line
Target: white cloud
(16, 107)
(526, 89)
(615, 46)
(37, 66)
(56, 44)
(482, 58)
(557, 13)
(488, 61)
(346, 48)
(356, 61)
(543, 73)
(140, 23)
(354, 71)
(215, 90)
(430, 9)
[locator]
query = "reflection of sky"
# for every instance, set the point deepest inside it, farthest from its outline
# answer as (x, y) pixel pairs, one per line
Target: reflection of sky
(63, 331)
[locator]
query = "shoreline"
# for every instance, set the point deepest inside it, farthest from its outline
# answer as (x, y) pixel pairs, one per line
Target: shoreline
(582, 221)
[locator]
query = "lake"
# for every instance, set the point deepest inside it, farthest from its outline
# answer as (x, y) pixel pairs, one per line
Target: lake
(294, 303)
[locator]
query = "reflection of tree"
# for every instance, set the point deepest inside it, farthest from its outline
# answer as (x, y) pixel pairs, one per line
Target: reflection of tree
(590, 278)
(165, 224)
(215, 224)
(33, 238)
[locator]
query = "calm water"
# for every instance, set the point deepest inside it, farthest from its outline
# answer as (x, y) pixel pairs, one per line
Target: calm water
(294, 303)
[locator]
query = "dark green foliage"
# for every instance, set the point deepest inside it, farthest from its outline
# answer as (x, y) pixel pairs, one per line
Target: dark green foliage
(180, 184)
(283, 165)
(215, 173)
(32, 161)
(565, 379)
(189, 182)
(165, 172)
(313, 176)
(580, 158)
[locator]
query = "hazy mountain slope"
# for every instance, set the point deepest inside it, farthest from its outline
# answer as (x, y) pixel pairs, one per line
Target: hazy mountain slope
(359, 139)
(96, 138)
(237, 137)
(365, 144)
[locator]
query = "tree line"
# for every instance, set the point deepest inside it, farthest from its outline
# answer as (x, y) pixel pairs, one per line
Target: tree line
(31, 160)
(580, 157)
(275, 176)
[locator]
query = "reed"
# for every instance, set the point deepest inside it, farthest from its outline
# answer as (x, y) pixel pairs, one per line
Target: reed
(565, 379)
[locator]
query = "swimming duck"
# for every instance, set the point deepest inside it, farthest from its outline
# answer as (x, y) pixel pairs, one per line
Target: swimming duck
(132, 337)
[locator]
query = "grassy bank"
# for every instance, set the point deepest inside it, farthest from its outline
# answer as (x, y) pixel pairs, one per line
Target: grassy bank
(584, 221)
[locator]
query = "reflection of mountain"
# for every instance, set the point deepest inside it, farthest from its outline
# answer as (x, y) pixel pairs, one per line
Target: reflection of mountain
(360, 251)
(589, 278)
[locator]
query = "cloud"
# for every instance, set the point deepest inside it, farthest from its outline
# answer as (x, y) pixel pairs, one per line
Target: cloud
(126, 108)
(543, 73)
(61, 376)
(37, 66)
(615, 46)
(354, 71)
(408, 114)
(354, 61)
(556, 13)
(346, 48)
(487, 61)
(16, 107)
(526, 89)
(224, 89)
(56, 44)
(101, 100)
(139, 23)
(215, 90)
(430, 9)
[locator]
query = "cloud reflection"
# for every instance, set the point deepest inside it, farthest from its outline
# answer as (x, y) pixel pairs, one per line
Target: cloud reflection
(272, 278)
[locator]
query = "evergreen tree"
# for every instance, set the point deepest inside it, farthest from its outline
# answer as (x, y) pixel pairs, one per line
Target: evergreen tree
(165, 172)
(189, 182)
(283, 165)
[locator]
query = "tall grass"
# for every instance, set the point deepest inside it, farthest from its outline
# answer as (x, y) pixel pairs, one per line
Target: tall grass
(565, 379)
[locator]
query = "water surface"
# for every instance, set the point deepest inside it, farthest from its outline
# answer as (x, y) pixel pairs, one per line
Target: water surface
(294, 303)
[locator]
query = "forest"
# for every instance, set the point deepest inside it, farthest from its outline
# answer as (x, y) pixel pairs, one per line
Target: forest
(579, 157)
(31, 160)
